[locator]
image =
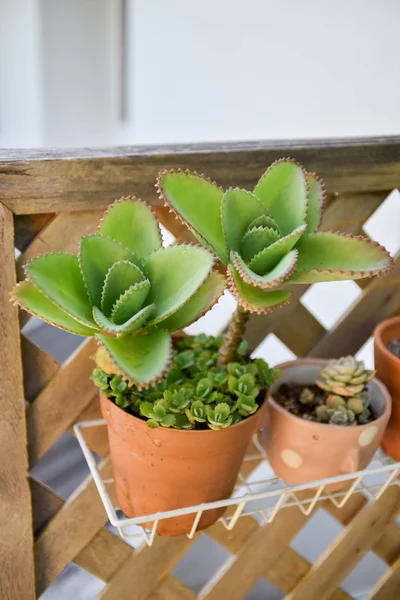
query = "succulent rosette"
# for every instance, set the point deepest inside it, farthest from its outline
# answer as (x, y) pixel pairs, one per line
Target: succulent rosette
(269, 237)
(125, 289)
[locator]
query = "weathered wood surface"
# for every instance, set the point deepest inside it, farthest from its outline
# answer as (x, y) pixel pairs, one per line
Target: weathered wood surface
(60, 403)
(46, 181)
(16, 540)
(361, 173)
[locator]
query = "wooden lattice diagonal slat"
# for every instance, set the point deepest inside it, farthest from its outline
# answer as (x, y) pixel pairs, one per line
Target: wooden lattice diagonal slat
(57, 198)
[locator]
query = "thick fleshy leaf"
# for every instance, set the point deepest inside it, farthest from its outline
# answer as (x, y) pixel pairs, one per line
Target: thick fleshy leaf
(283, 191)
(59, 277)
(255, 240)
(132, 223)
(97, 254)
(198, 305)
(175, 274)
(130, 326)
(120, 277)
(31, 299)
(254, 299)
(329, 256)
(198, 202)
(238, 209)
(141, 358)
(275, 277)
(316, 200)
(268, 258)
(130, 302)
(265, 221)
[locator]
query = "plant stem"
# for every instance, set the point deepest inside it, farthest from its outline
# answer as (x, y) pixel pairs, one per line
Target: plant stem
(233, 336)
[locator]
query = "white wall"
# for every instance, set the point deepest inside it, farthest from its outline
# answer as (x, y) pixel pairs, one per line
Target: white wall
(20, 74)
(197, 71)
(229, 69)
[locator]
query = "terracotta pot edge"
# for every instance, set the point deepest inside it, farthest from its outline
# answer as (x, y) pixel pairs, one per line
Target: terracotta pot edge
(188, 431)
(319, 361)
(377, 335)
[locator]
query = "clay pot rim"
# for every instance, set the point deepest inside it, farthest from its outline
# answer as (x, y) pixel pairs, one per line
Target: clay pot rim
(322, 361)
(192, 431)
(377, 334)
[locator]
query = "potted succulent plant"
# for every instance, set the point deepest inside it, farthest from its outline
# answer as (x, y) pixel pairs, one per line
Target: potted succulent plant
(268, 240)
(181, 416)
(178, 425)
(387, 364)
(325, 419)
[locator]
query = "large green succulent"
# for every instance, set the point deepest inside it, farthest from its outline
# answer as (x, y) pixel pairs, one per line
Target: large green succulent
(124, 288)
(268, 238)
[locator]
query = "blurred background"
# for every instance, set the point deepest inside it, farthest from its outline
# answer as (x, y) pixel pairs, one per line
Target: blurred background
(90, 73)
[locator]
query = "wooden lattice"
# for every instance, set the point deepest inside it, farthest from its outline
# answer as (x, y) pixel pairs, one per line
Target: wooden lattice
(48, 201)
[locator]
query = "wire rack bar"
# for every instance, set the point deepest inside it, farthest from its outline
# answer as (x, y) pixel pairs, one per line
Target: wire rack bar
(249, 502)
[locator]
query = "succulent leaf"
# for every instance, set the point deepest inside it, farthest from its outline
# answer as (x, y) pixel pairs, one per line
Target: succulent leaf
(283, 191)
(239, 208)
(273, 278)
(176, 273)
(120, 277)
(97, 254)
(202, 300)
(141, 358)
(130, 302)
(58, 276)
(316, 201)
(254, 299)
(257, 239)
(34, 301)
(129, 326)
(265, 221)
(133, 224)
(198, 201)
(329, 256)
(267, 259)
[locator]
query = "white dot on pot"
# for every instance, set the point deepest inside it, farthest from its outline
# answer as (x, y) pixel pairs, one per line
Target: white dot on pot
(291, 459)
(367, 436)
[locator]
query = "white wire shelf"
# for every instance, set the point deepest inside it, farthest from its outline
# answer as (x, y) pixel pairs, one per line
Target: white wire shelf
(261, 494)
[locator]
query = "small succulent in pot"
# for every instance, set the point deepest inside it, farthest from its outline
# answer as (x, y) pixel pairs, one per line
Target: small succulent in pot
(339, 396)
(315, 433)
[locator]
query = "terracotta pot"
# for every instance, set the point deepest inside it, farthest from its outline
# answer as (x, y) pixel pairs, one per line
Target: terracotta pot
(388, 370)
(300, 451)
(165, 469)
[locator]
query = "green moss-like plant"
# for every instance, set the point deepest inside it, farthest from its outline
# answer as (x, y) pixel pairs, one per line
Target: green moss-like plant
(124, 289)
(268, 238)
(195, 394)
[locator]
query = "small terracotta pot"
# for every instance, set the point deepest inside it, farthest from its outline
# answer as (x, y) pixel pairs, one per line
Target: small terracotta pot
(388, 370)
(164, 469)
(301, 451)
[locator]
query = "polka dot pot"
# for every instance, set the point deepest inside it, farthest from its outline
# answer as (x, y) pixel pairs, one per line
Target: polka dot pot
(301, 451)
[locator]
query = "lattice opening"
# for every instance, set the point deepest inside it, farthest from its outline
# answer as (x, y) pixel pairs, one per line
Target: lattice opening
(329, 301)
(217, 318)
(366, 353)
(74, 583)
(383, 225)
(273, 350)
(266, 590)
(200, 563)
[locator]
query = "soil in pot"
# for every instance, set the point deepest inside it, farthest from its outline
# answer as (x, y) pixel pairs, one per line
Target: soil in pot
(301, 450)
(394, 347)
(305, 400)
(181, 442)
